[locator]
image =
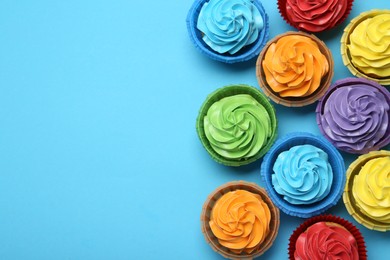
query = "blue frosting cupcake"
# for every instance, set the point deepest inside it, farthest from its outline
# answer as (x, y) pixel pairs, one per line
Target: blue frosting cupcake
(304, 174)
(228, 31)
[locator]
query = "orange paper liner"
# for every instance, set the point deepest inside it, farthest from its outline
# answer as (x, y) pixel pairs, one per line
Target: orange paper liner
(348, 198)
(295, 101)
(208, 206)
(345, 41)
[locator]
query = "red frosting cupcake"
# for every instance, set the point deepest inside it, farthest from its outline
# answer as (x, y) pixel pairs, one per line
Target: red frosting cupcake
(327, 237)
(315, 15)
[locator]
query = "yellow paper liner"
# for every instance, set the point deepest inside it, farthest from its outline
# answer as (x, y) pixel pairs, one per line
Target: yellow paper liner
(295, 101)
(345, 41)
(348, 198)
(206, 213)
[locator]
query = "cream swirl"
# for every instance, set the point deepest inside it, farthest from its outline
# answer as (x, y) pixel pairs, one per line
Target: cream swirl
(316, 15)
(294, 66)
(325, 240)
(355, 116)
(302, 175)
(227, 26)
(371, 189)
(237, 126)
(240, 220)
(369, 46)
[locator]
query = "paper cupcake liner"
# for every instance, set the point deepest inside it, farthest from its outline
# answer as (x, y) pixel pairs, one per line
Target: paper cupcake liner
(232, 90)
(334, 158)
(295, 101)
(348, 198)
(345, 41)
(246, 53)
(283, 13)
(328, 218)
(209, 204)
(345, 83)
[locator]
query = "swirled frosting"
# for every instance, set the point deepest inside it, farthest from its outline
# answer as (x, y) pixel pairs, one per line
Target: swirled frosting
(369, 46)
(237, 126)
(325, 240)
(302, 175)
(355, 117)
(315, 15)
(227, 26)
(294, 66)
(371, 189)
(240, 220)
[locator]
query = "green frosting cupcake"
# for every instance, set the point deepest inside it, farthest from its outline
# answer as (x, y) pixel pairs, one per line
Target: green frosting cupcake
(237, 125)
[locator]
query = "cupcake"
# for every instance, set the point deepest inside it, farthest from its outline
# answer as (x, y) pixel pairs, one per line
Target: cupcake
(315, 15)
(295, 69)
(365, 47)
(228, 31)
(236, 124)
(252, 217)
(367, 191)
(327, 237)
(304, 174)
(354, 115)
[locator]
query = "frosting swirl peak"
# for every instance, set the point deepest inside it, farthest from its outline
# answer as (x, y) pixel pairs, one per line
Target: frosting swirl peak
(302, 175)
(227, 26)
(325, 240)
(240, 220)
(237, 126)
(371, 189)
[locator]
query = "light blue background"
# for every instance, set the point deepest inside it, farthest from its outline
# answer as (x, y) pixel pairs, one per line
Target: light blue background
(99, 158)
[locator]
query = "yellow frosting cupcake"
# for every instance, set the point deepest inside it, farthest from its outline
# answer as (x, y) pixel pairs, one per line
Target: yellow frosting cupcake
(367, 192)
(365, 46)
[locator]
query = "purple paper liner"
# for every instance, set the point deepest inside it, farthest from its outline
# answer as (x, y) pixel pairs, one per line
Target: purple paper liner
(345, 83)
(246, 53)
(335, 160)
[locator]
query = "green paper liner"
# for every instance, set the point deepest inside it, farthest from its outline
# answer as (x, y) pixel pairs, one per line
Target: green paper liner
(348, 198)
(209, 204)
(331, 219)
(295, 101)
(345, 41)
(227, 91)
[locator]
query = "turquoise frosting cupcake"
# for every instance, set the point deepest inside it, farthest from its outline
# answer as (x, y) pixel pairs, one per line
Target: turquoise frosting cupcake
(304, 174)
(228, 31)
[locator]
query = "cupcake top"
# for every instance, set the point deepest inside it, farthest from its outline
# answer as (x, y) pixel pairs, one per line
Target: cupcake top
(369, 46)
(314, 15)
(302, 174)
(228, 26)
(295, 69)
(240, 220)
(326, 240)
(354, 115)
(371, 189)
(237, 126)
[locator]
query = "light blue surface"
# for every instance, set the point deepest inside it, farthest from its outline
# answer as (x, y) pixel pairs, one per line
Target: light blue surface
(99, 157)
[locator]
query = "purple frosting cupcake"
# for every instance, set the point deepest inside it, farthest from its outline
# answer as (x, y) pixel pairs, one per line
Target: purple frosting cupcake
(354, 115)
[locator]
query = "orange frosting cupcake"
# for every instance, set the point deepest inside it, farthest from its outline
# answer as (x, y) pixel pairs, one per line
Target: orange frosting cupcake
(294, 66)
(240, 220)
(295, 69)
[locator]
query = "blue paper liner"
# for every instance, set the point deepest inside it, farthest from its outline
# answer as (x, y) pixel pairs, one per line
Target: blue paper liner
(335, 159)
(246, 53)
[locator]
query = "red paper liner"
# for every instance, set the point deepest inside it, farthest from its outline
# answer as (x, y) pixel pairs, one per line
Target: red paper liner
(328, 218)
(283, 13)
(213, 240)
